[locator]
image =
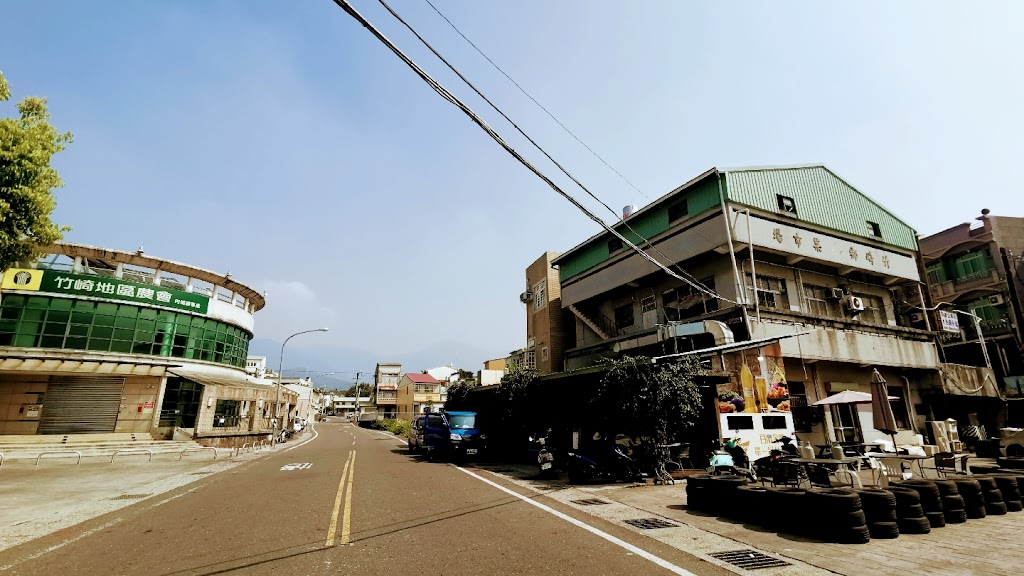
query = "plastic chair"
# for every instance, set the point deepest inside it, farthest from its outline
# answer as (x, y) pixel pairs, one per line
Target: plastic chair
(894, 468)
(945, 463)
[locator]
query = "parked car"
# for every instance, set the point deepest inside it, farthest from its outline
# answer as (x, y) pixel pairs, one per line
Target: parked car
(446, 434)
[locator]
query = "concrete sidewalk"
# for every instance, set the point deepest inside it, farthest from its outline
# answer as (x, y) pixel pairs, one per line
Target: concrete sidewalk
(989, 546)
(58, 493)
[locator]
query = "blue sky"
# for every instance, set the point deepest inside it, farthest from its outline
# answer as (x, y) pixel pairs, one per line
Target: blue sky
(280, 141)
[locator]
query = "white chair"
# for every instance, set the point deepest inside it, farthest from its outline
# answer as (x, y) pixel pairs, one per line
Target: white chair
(893, 468)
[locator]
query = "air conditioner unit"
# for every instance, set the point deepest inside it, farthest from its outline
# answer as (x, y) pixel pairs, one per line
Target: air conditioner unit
(834, 293)
(996, 299)
(916, 317)
(526, 297)
(854, 305)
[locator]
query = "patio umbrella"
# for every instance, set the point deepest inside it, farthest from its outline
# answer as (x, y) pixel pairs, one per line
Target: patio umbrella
(881, 411)
(845, 397)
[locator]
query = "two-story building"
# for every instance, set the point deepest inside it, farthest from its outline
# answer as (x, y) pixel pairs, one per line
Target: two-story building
(976, 270)
(385, 380)
(788, 272)
(417, 391)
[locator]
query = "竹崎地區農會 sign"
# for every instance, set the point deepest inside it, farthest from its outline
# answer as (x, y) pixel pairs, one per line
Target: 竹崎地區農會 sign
(56, 282)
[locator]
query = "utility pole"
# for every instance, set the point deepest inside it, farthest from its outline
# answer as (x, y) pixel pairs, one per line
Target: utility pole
(357, 397)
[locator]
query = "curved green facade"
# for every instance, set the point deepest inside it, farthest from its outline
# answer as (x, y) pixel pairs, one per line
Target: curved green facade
(72, 324)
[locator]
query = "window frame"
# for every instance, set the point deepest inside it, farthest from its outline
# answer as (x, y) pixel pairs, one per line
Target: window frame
(787, 205)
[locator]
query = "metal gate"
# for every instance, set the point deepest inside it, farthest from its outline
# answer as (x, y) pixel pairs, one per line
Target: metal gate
(81, 404)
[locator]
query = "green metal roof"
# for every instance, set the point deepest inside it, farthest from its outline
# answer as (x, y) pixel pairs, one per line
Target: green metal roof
(821, 197)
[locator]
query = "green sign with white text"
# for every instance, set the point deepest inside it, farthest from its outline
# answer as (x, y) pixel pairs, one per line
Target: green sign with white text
(116, 289)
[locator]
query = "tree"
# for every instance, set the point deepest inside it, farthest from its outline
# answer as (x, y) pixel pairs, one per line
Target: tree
(364, 390)
(458, 394)
(645, 400)
(27, 144)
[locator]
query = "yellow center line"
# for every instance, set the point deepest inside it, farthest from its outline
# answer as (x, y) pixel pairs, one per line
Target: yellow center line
(346, 523)
(332, 530)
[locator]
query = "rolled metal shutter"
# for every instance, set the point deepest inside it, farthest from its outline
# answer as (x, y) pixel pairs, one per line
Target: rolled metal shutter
(81, 405)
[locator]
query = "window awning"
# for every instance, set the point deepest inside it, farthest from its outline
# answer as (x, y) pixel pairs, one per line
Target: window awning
(222, 379)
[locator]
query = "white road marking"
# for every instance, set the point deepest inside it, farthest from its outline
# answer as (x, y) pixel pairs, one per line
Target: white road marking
(618, 542)
(315, 434)
(297, 466)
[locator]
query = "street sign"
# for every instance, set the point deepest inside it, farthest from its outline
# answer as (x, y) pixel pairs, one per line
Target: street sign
(297, 466)
(950, 322)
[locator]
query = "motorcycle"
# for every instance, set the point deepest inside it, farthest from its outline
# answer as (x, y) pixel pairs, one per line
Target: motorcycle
(545, 459)
(722, 462)
(614, 465)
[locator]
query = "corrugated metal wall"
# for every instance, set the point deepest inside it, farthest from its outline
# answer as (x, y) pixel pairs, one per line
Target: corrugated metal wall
(821, 198)
(81, 405)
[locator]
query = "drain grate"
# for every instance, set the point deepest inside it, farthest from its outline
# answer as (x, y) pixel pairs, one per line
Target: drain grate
(749, 559)
(131, 496)
(650, 523)
(590, 502)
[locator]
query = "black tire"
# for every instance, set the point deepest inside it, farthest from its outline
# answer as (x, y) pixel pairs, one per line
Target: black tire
(987, 482)
(910, 511)
(914, 525)
(928, 493)
(870, 497)
(993, 496)
(975, 512)
(884, 530)
(967, 486)
(750, 503)
(876, 515)
(936, 519)
(995, 508)
(833, 500)
(793, 501)
(1014, 506)
(698, 480)
(953, 502)
(905, 496)
(946, 487)
(955, 516)
(856, 535)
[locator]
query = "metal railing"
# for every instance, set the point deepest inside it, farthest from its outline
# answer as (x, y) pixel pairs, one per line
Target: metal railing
(180, 456)
(132, 451)
(62, 453)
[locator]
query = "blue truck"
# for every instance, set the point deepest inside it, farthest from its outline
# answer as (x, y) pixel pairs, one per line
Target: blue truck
(447, 435)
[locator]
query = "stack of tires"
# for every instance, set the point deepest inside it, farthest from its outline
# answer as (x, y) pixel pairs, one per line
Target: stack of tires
(953, 503)
(1008, 486)
(994, 504)
(909, 513)
(880, 512)
(931, 500)
(787, 510)
(750, 503)
(974, 502)
(836, 515)
(713, 494)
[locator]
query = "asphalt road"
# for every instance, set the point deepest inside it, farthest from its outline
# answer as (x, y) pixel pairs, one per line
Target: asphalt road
(349, 501)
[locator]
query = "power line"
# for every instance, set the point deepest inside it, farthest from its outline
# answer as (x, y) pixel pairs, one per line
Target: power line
(534, 100)
(690, 280)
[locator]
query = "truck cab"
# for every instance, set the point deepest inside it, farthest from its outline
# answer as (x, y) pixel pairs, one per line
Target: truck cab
(447, 434)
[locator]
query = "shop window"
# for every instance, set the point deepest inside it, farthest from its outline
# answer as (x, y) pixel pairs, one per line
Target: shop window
(226, 414)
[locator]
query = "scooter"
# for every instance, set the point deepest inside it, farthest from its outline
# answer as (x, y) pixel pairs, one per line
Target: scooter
(545, 460)
(722, 462)
(614, 465)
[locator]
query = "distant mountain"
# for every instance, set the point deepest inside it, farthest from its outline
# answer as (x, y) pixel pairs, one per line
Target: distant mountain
(345, 362)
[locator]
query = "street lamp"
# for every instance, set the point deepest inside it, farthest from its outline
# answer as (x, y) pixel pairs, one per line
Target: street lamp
(280, 374)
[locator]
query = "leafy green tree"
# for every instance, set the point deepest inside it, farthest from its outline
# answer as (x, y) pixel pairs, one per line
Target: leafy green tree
(645, 400)
(365, 389)
(27, 144)
(458, 394)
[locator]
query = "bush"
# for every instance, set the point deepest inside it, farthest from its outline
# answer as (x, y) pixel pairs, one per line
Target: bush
(397, 427)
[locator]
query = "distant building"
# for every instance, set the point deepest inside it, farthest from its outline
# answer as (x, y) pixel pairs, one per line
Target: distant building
(977, 268)
(546, 321)
(417, 391)
(256, 366)
(385, 380)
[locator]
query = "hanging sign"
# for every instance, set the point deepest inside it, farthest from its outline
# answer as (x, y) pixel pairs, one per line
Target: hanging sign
(950, 322)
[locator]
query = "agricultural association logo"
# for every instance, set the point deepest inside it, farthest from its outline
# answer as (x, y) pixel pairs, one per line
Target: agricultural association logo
(22, 279)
